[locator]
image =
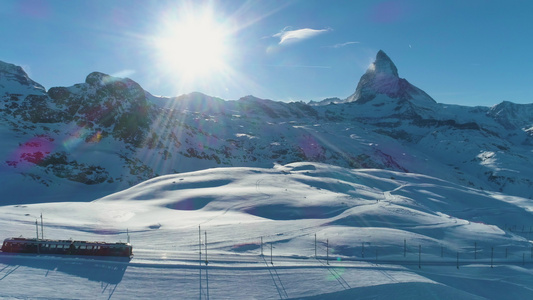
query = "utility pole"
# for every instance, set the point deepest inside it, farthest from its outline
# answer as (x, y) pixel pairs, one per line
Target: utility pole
(42, 227)
(200, 244)
(206, 261)
(271, 262)
(37, 229)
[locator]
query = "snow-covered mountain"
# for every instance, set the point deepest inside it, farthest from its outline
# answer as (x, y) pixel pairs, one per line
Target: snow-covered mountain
(107, 134)
(386, 194)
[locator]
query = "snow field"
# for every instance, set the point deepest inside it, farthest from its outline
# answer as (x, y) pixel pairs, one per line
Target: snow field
(379, 234)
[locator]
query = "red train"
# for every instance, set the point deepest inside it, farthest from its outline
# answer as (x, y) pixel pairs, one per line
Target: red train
(66, 247)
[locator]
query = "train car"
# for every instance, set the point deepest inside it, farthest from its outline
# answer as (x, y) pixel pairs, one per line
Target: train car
(66, 247)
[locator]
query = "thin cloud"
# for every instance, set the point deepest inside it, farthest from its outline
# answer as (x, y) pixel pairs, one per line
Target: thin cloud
(123, 73)
(290, 36)
(344, 44)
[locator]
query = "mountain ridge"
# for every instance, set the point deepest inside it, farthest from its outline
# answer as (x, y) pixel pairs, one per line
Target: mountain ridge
(110, 133)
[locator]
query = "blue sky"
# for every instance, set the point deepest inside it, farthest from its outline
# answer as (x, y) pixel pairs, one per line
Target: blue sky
(468, 52)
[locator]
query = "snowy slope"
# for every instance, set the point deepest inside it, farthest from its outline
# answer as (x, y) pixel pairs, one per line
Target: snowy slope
(380, 234)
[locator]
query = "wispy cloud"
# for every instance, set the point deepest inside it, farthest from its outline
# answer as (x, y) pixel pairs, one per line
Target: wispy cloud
(344, 44)
(123, 73)
(287, 36)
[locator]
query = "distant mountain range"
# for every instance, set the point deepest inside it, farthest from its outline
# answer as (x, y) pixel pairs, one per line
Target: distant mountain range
(108, 134)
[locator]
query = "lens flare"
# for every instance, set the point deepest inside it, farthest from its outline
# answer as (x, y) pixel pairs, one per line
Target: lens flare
(32, 152)
(81, 137)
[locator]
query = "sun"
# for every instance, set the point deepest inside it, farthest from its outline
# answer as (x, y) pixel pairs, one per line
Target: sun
(193, 46)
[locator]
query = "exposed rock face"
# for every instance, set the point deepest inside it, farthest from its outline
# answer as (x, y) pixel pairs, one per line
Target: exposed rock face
(106, 104)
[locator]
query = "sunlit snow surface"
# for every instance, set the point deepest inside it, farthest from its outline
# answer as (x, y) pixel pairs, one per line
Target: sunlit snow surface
(379, 235)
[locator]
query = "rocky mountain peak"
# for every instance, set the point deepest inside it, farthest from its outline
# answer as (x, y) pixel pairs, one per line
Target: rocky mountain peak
(382, 80)
(15, 79)
(383, 64)
(96, 78)
(10, 68)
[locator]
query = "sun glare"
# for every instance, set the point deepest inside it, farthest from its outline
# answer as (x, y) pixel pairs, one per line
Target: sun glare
(193, 46)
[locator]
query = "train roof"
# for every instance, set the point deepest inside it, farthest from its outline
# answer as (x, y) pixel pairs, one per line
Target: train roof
(21, 239)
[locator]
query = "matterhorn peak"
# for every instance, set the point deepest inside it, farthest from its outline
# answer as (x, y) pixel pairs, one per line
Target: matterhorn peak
(381, 81)
(383, 64)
